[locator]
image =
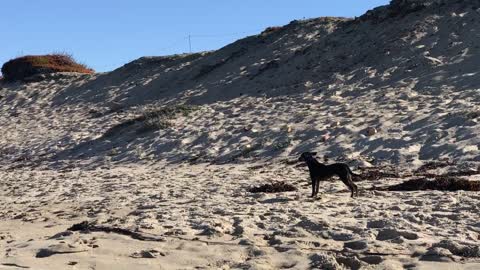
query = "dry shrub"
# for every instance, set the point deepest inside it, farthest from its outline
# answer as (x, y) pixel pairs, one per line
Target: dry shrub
(273, 187)
(26, 66)
(271, 29)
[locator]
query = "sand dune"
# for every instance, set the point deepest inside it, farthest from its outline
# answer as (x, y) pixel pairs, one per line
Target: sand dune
(167, 147)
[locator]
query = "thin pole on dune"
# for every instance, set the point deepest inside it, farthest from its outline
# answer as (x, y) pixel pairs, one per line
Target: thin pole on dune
(190, 42)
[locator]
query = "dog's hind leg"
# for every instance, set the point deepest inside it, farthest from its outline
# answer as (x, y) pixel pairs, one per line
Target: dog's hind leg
(347, 180)
(353, 186)
(313, 187)
(317, 187)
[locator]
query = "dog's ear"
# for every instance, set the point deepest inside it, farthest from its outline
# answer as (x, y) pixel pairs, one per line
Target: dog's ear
(313, 153)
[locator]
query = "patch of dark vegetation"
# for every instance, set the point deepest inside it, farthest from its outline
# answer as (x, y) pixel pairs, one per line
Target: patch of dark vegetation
(257, 167)
(396, 9)
(273, 64)
(449, 174)
(157, 119)
(470, 115)
(95, 113)
(115, 107)
(23, 68)
(206, 69)
(462, 173)
(303, 51)
(155, 123)
(401, 8)
(422, 171)
(269, 65)
(467, 251)
(119, 127)
(274, 187)
(152, 119)
(441, 183)
(376, 174)
(433, 165)
(271, 29)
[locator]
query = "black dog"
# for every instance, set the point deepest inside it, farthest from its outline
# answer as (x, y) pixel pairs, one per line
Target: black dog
(321, 172)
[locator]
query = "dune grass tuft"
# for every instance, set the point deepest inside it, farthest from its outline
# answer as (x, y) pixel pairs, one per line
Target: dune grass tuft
(152, 119)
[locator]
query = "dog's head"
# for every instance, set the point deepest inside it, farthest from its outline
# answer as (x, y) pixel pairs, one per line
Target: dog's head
(307, 155)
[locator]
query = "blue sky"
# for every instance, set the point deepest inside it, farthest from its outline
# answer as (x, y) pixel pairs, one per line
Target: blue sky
(107, 34)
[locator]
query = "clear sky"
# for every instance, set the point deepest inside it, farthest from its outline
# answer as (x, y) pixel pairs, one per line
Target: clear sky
(105, 34)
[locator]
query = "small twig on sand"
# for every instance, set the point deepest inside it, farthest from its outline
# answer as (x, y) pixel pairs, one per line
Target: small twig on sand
(90, 227)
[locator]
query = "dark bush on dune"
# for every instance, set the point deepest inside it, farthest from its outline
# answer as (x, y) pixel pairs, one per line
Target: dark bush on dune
(20, 68)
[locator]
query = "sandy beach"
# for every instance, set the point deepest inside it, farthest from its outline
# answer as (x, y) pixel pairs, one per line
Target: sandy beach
(157, 158)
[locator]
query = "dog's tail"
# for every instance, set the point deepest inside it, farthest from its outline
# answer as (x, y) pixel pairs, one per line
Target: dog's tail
(356, 177)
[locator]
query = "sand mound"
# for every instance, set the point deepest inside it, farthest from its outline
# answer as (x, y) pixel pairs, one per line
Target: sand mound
(21, 68)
